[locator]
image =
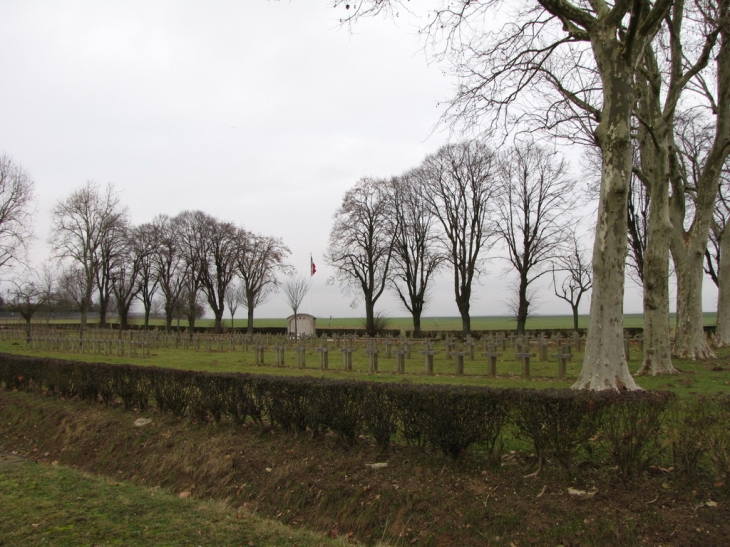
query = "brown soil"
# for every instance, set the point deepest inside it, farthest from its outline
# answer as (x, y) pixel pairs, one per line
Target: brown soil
(420, 498)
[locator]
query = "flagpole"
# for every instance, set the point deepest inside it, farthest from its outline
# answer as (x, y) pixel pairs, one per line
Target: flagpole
(311, 275)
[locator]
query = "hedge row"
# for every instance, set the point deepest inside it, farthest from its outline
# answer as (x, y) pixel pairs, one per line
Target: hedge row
(629, 431)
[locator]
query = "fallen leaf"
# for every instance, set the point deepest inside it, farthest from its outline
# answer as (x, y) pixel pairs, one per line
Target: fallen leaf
(376, 465)
(711, 503)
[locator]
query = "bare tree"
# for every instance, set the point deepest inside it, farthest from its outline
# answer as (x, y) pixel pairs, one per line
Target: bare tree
(576, 275)
(416, 256)
(73, 288)
(144, 242)
(234, 297)
(672, 66)
(193, 233)
(219, 265)
(191, 306)
(82, 225)
(169, 265)
(533, 213)
(26, 297)
(47, 277)
(295, 289)
(112, 252)
(361, 243)
(16, 197)
(124, 275)
(259, 259)
(695, 184)
(460, 184)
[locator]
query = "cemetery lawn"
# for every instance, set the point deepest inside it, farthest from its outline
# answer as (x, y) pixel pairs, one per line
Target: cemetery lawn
(697, 377)
(148, 486)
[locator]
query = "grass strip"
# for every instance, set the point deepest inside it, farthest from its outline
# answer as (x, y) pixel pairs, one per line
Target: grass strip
(59, 506)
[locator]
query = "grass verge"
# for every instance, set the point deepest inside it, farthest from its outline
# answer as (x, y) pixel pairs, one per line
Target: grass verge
(55, 505)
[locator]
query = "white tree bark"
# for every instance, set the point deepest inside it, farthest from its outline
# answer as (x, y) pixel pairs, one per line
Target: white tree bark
(604, 364)
(689, 340)
(657, 357)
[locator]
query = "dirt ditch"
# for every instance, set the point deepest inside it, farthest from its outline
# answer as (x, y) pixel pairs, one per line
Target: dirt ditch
(407, 498)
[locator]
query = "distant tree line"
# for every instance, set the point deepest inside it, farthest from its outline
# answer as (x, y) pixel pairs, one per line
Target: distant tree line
(180, 264)
(448, 213)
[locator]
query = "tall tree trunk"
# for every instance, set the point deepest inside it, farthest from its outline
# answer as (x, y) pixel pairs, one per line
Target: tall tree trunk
(123, 319)
(688, 248)
(191, 325)
(463, 305)
(522, 305)
(218, 326)
(689, 340)
(369, 314)
(168, 317)
(84, 318)
(249, 324)
(103, 305)
(417, 324)
(722, 330)
(657, 358)
(604, 363)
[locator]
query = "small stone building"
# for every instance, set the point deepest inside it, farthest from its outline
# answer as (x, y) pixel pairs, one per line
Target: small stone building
(306, 325)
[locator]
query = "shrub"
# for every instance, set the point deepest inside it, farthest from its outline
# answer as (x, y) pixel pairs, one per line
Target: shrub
(687, 433)
(339, 407)
(238, 396)
(719, 436)
(380, 414)
(451, 419)
(631, 425)
(559, 423)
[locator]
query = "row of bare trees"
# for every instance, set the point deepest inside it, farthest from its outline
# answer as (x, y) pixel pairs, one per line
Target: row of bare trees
(637, 81)
(448, 213)
(187, 262)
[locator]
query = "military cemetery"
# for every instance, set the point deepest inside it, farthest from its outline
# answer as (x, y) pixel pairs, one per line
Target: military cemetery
(293, 314)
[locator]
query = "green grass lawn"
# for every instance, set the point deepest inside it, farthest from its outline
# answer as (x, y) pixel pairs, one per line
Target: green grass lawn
(697, 376)
(58, 506)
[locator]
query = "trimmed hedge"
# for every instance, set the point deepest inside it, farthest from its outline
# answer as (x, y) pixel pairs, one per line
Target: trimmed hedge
(624, 430)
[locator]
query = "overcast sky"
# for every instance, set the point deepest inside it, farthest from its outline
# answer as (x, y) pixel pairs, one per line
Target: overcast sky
(258, 112)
